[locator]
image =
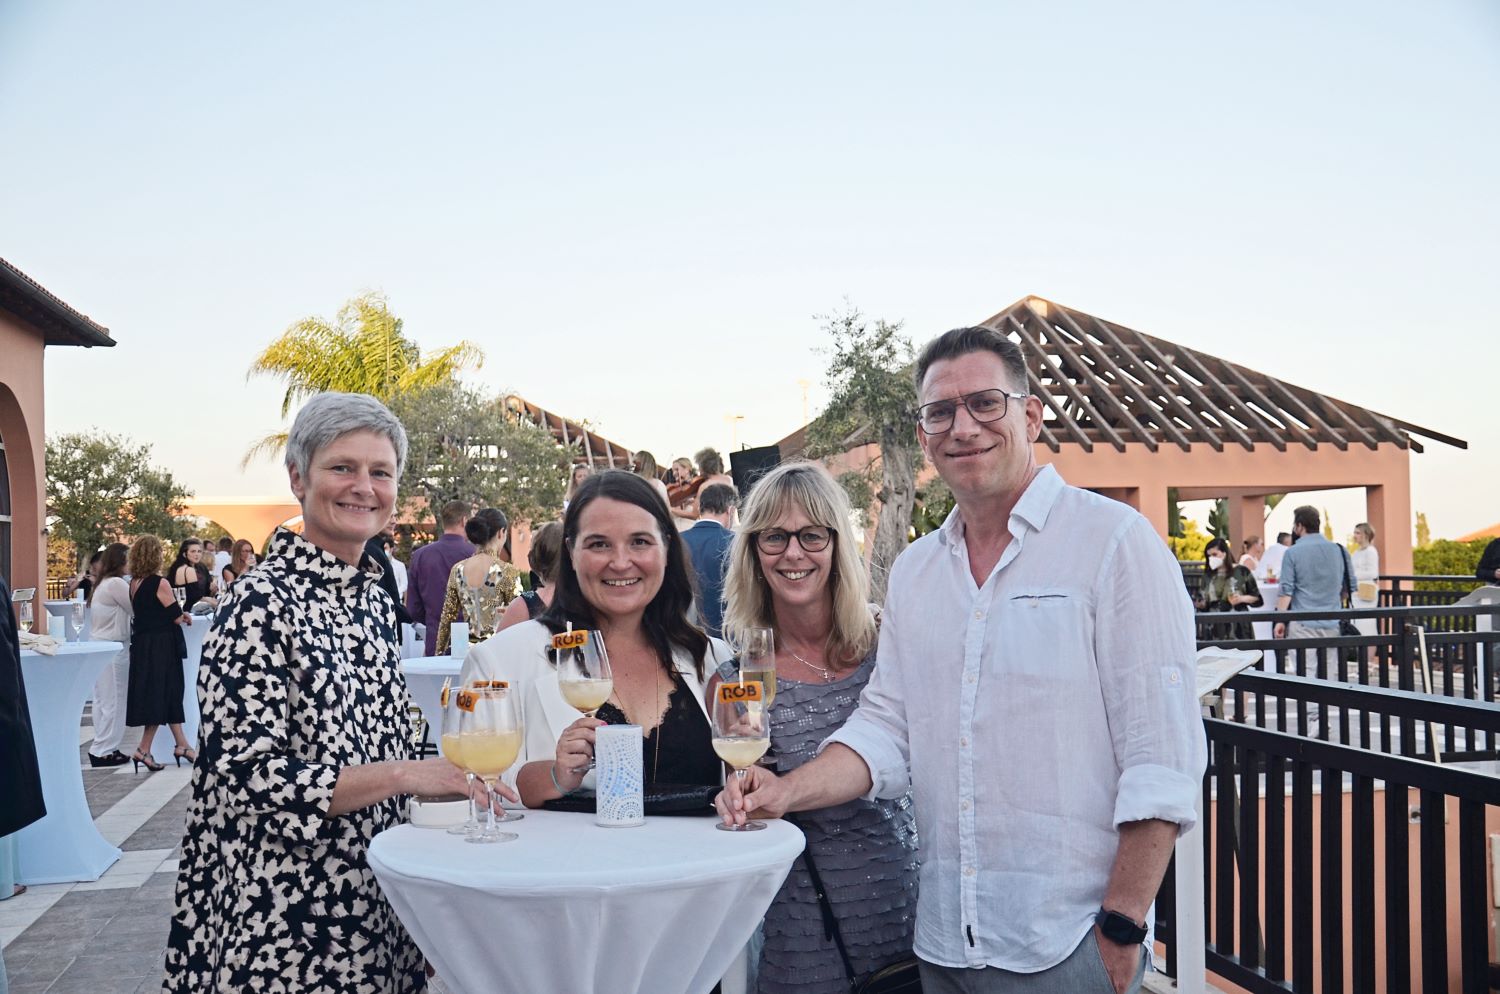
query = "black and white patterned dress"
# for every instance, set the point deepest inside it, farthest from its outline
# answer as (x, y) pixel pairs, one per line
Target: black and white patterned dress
(300, 678)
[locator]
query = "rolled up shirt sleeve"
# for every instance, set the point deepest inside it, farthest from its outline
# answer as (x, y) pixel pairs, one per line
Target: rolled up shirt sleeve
(245, 684)
(877, 730)
(1146, 655)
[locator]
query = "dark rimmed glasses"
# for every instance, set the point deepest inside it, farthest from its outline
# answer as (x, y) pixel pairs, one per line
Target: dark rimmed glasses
(984, 406)
(774, 541)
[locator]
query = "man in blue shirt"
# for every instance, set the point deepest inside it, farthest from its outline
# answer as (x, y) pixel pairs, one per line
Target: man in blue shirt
(1315, 573)
(708, 544)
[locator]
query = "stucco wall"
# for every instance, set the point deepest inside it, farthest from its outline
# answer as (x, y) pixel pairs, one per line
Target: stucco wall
(21, 426)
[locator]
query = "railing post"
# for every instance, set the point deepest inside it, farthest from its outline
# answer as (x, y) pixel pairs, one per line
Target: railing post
(1189, 932)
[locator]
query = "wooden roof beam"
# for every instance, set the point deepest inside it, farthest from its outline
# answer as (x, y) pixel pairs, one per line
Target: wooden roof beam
(1034, 384)
(1183, 385)
(1049, 439)
(1069, 387)
(1313, 417)
(1329, 404)
(1229, 419)
(1148, 375)
(1101, 357)
(1255, 394)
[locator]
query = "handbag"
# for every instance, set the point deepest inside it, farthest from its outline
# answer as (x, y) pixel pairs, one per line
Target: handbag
(900, 977)
(691, 800)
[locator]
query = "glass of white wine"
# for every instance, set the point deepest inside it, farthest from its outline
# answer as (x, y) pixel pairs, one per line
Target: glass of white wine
(181, 594)
(452, 744)
(78, 608)
(742, 733)
(758, 661)
(490, 742)
(583, 673)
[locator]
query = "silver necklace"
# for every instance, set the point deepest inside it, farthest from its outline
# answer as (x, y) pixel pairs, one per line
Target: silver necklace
(827, 674)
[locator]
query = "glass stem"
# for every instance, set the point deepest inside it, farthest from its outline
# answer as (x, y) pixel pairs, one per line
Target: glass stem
(489, 807)
(473, 811)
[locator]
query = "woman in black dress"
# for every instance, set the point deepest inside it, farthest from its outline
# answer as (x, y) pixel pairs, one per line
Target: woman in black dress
(188, 573)
(153, 695)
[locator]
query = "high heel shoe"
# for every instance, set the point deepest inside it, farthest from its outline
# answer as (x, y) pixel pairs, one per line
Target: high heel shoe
(140, 759)
(185, 752)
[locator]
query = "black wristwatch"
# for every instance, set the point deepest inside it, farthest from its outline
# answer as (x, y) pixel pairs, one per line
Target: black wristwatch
(1120, 929)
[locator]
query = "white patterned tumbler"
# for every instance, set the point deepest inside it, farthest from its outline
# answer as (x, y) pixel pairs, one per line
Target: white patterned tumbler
(619, 794)
(458, 639)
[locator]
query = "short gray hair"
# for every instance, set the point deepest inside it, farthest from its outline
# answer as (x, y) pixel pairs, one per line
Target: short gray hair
(327, 416)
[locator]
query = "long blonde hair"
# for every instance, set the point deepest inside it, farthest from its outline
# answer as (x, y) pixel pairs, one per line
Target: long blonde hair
(807, 487)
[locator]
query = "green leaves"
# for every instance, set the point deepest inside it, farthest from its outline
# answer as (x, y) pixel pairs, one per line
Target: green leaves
(103, 488)
(362, 351)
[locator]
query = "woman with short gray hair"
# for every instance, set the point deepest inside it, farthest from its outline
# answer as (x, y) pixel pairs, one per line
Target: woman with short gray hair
(305, 744)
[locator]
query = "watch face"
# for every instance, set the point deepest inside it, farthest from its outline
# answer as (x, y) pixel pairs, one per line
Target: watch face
(1120, 929)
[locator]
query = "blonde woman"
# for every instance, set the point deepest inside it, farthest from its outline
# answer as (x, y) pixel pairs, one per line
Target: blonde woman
(480, 587)
(1366, 563)
(794, 568)
(646, 468)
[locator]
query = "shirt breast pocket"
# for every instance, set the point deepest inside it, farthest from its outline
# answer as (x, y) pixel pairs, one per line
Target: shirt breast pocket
(1042, 636)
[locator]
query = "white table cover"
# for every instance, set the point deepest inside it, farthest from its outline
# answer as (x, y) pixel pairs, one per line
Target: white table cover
(163, 743)
(572, 907)
(424, 679)
(64, 845)
(1268, 594)
(64, 610)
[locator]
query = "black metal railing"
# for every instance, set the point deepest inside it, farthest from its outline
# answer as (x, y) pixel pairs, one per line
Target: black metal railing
(1423, 591)
(1284, 814)
(1463, 661)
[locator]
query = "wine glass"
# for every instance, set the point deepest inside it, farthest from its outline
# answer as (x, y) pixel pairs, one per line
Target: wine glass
(583, 673)
(181, 594)
(25, 614)
(77, 609)
(491, 741)
(452, 744)
(758, 662)
(742, 733)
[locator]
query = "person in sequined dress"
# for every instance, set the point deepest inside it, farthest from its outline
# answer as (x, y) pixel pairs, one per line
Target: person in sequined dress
(480, 587)
(791, 570)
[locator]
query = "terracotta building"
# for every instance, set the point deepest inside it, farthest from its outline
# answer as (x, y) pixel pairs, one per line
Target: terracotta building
(31, 320)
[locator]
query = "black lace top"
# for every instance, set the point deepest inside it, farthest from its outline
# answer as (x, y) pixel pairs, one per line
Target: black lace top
(680, 749)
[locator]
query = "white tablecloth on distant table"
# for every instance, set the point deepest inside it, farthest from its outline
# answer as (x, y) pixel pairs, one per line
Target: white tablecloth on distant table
(569, 906)
(424, 679)
(64, 610)
(163, 743)
(1268, 594)
(64, 845)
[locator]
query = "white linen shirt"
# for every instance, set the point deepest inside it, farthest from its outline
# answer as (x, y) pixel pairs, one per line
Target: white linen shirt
(1033, 715)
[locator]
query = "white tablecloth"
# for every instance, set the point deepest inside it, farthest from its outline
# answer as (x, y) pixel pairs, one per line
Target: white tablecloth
(424, 679)
(64, 845)
(1268, 594)
(571, 907)
(163, 743)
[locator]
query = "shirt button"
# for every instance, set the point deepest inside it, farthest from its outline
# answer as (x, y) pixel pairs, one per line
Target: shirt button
(964, 742)
(969, 678)
(968, 871)
(978, 615)
(964, 805)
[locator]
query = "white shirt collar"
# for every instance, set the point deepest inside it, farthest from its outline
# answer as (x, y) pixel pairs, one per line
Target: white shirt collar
(1034, 507)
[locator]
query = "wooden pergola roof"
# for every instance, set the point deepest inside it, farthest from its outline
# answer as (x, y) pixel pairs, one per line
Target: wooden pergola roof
(1104, 384)
(588, 447)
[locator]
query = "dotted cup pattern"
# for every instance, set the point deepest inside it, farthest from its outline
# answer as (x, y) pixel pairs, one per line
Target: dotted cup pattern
(619, 777)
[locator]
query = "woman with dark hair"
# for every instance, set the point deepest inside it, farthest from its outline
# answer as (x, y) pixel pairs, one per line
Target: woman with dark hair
(186, 572)
(623, 573)
(111, 615)
(1227, 587)
(546, 549)
(480, 587)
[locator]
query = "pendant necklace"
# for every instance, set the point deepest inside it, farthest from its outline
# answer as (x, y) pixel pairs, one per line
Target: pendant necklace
(827, 674)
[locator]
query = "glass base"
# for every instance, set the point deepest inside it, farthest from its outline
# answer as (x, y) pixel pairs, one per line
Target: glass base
(484, 837)
(749, 826)
(509, 816)
(465, 830)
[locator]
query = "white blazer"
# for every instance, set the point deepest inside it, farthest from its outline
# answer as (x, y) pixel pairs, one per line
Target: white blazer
(519, 656)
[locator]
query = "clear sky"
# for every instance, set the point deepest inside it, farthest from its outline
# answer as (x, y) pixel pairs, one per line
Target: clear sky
(637, 210)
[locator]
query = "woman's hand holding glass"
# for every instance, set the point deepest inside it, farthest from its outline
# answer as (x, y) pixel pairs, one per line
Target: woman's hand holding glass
(741, 735)
(575, 754)
(585, 680)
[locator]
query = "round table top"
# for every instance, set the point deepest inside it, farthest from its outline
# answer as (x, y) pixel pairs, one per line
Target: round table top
(432, 665)
(561, 852)
(76, 648)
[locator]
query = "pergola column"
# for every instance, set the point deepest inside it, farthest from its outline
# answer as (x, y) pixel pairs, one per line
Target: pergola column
(1246, 518)
(1388, 510)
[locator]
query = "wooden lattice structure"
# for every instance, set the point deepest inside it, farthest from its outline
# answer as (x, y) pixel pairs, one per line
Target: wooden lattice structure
(1104, 384)
(588, 447)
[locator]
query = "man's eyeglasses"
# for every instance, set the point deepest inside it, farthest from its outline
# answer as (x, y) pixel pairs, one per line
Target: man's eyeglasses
(984, 406)
(774, 541)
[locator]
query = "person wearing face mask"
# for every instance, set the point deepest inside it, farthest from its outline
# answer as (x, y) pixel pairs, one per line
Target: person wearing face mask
(1227, 587)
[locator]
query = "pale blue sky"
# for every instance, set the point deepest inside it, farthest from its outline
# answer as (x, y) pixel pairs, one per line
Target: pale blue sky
(637, 212)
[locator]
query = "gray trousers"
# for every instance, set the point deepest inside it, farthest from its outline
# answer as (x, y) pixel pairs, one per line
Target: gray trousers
(1081, 973)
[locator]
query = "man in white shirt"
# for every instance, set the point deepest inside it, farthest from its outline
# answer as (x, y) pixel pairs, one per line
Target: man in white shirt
(1270, 563)
(222, 557)
(1035, 684)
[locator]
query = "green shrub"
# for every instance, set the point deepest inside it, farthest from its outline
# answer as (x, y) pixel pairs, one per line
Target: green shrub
(1448, 558)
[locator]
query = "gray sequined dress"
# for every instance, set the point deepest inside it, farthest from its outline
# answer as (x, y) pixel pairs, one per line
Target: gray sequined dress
(866, 853)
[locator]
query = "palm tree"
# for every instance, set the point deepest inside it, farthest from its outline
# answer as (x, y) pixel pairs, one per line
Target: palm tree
(363, 351)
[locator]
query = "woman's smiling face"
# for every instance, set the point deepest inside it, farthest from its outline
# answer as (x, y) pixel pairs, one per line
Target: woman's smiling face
(619, 557)
(795, 576)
